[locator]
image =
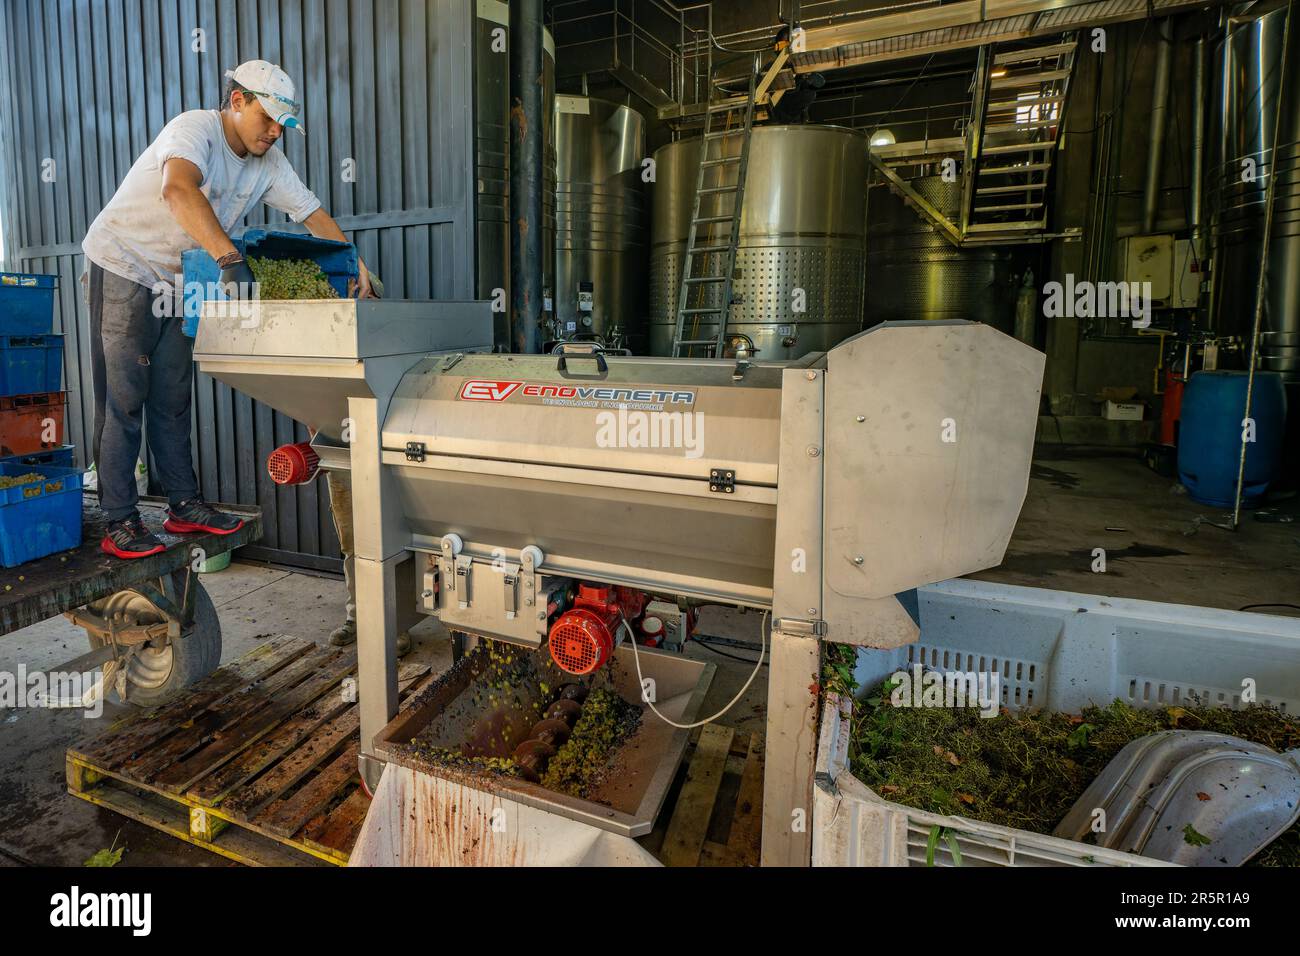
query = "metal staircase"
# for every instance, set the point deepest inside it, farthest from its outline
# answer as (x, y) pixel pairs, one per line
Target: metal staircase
(1007, 149)
(1013, 145)
(715, 229)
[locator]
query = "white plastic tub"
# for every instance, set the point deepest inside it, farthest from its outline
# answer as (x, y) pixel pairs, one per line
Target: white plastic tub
(1052, 650)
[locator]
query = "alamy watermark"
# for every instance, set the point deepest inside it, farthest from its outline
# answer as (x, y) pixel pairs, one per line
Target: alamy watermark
(629, 428)
(74, 690)
(1098, 300)
(921, 687)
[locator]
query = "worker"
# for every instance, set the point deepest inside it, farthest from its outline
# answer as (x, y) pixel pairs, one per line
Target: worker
(193, 184)
(795, 103)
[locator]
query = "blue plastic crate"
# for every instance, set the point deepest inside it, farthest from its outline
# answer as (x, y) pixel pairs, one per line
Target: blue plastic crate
(338, 260)
(27, 303)
(30, 364)
(65, 456)
(40, 517)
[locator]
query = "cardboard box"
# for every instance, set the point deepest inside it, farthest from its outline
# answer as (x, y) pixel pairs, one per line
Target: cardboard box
(1123, 411)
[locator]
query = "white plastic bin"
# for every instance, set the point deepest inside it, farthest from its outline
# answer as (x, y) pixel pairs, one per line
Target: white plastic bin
(1052, 650)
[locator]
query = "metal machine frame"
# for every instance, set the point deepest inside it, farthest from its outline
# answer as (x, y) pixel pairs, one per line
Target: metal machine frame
(899, 458)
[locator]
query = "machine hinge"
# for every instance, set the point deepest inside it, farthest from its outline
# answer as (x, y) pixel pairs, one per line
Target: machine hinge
(722, 480)
(795, 625)
(415, 451)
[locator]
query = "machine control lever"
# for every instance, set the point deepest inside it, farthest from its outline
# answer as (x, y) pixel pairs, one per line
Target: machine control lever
(463, 563)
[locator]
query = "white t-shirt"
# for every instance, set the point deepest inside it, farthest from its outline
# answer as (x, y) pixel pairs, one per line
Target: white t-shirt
(135, 235)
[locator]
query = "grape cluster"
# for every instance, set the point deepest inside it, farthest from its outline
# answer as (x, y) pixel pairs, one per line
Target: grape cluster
(291, 279)
(7, 481)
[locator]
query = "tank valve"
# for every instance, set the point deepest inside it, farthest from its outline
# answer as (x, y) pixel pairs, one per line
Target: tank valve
(294, 464)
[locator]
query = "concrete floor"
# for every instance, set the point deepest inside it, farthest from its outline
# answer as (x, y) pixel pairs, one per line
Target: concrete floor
(1159, 546)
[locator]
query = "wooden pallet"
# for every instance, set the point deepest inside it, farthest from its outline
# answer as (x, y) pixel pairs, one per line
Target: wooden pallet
(257, 763)
(717, 816)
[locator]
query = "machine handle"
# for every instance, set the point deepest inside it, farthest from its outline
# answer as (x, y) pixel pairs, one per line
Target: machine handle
(597, 353)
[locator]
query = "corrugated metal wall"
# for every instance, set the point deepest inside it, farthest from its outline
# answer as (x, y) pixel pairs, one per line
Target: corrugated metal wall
(87, 85)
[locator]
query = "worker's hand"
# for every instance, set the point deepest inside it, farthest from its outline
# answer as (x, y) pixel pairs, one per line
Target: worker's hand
(237, 280)
(360, 286)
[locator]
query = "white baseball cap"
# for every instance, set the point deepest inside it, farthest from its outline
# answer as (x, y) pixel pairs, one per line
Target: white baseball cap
(273, 89)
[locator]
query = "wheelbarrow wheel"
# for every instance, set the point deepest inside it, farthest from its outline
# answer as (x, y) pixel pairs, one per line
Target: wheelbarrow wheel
(159, 670)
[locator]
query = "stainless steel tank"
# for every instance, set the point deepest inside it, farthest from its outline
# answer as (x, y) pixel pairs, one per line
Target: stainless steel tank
(601, 221)
(1242, 128)
(492, 164)
(914, 273)
(802, 228)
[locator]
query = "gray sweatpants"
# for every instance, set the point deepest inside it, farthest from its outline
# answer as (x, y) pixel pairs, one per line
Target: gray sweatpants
(143, 369)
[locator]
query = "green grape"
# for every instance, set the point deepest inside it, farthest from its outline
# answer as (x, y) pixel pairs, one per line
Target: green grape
(291, 279)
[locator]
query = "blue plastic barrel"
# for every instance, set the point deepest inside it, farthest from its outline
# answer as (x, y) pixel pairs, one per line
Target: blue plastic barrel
(1210, 436)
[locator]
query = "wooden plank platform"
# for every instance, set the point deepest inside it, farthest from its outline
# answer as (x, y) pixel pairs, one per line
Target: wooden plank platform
(44, 588)
(257, 762)
(715, 816)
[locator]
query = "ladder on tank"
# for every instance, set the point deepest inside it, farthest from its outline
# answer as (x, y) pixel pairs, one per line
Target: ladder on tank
(699, 255)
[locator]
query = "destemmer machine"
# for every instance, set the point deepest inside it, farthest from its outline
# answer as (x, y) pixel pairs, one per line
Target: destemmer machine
(814, 489)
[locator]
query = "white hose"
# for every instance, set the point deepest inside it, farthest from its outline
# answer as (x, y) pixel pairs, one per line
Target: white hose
(636, 655)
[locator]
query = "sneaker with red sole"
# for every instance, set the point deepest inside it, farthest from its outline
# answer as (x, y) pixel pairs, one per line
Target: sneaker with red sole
(194, 515)
(130, 539)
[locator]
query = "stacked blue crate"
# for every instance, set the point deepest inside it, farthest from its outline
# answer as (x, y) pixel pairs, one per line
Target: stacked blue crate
(40, 516)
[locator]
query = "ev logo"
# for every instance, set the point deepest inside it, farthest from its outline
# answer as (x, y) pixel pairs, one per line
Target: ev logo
(481, 391)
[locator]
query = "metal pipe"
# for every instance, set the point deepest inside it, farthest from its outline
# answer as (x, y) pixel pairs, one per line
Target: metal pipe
(1159, 118)
(526, 175)
(1195, 187)
(1263, 263)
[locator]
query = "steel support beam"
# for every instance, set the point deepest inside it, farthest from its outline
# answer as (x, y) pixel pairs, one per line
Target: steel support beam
(526, 175)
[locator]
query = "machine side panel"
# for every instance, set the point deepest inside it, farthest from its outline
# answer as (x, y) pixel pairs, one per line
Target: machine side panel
(929, 436)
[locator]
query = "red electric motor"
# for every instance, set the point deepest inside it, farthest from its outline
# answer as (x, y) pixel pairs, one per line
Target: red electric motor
(582, 638)
(293, 464)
